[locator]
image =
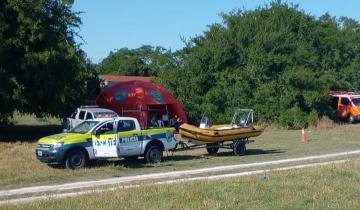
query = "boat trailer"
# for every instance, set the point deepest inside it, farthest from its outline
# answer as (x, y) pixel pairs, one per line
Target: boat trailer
(238, 146)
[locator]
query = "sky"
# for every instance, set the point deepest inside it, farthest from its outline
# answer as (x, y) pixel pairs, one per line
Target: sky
(109, 25)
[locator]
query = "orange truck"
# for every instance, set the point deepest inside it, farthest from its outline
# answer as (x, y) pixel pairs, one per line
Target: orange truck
(347, 105)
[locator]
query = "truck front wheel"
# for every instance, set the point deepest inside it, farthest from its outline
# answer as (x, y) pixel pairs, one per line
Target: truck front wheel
(75, 159)
(154, 154)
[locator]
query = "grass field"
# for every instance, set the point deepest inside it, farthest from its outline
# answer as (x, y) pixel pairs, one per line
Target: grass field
(325, 187)
(19, 167)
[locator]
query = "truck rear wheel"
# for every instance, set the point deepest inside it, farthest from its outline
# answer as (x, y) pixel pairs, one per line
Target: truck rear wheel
(212, 148)
(239, 148)
(154, 154)
(76, 159)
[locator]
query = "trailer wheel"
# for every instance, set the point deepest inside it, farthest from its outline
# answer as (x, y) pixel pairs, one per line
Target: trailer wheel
(212, 148)
(239, 148)
(75, 159)
(154, 154)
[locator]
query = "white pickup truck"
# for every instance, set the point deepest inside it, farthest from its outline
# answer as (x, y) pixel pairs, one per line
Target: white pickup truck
(105, 138)
(87, 113)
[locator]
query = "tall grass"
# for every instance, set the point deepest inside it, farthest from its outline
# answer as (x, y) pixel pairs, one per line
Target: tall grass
(27, 127)
(31, 119)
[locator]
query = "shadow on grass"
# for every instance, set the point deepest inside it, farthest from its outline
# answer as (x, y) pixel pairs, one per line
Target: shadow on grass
(263, 152)
(141, 163)
(28, 133)
(248, 152)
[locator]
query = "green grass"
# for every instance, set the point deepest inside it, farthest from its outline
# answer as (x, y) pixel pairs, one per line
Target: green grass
(28, 127)
(19, 166)
(31, 119)
(325, 187)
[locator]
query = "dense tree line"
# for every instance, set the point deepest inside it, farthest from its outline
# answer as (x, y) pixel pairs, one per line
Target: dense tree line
(42, 69)
(276, 59)
(143, 61)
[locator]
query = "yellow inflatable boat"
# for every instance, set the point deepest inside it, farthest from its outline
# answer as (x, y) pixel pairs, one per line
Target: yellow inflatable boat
(236, 130)
(219, 133)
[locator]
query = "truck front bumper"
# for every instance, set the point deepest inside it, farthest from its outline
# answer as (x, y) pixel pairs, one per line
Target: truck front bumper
(47, 154)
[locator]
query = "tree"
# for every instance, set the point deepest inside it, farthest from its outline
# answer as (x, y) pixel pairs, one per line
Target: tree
(42, 69)
(143, 61)
(276, 59)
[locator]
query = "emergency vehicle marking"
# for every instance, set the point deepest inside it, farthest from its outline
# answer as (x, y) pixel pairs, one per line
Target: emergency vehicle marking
(129, 139)
(109, 142)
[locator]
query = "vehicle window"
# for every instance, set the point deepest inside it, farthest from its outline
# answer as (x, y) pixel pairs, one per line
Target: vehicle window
(345, 101)
(82, 115)
(107, 128)
(89, 116)
(125, 125)
(356, 101)
(84, 127)
(334, 102)
(105, 114)
(73, 115)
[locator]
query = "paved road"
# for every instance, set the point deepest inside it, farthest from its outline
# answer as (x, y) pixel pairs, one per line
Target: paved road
(29, 194)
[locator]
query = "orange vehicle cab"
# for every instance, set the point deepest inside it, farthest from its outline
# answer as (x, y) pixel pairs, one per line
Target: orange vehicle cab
(347, 105)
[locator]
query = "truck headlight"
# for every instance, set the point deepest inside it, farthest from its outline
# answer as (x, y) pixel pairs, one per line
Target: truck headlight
(57, 145)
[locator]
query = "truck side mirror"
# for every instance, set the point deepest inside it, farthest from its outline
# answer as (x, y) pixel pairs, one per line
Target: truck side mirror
(95, 132)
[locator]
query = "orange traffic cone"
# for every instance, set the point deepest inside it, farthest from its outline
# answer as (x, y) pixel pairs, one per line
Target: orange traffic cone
(303, 136)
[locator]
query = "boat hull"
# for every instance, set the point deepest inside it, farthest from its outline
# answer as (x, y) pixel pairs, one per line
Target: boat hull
(219, 133)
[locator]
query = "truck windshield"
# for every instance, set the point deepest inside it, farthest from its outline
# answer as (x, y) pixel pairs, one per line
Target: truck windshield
(356, 101)
(84, 127)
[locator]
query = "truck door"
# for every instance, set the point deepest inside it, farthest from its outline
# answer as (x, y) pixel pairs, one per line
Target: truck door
(105, 140)
(344, 107)
(130, 139)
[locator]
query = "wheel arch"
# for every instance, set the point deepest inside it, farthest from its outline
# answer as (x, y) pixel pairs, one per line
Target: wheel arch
(154, 142)
(75, 148)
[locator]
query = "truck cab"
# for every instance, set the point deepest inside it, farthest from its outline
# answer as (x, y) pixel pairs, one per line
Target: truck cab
(105, 138)
(347, 105)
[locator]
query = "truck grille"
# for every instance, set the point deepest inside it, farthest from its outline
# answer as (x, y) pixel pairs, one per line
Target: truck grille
(44, 146)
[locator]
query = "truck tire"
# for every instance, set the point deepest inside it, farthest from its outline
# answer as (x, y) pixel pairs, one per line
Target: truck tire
(154, 154)
(212, 148)
(76, 159)
(239, 148)
(350, 119)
